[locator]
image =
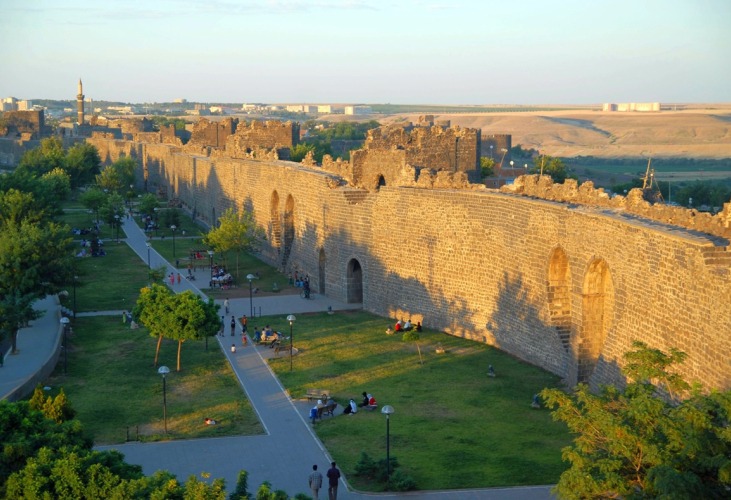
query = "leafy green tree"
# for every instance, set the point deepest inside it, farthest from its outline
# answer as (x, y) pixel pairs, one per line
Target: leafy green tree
(413, 336)
(552, 166)
(113, 209)
(35, 259)
(41, 160)
(93, 199)
(645, 441)
(58, 183)
(237, 232)
(192, 319)
(298, 152)
(487, 167)
(18, 206)
(24, 431)
(242, 485)
(153, 309)
(148, 204)
(83, 164)
(115, 178)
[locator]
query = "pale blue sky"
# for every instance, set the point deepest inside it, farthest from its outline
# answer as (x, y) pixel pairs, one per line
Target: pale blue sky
(378, 51)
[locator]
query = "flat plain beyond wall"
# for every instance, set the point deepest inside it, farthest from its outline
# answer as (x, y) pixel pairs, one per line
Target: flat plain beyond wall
(563, 286)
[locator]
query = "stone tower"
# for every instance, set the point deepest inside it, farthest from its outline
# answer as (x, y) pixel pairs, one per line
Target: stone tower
(80, 105)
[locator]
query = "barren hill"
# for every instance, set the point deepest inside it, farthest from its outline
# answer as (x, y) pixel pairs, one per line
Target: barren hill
(687, 134)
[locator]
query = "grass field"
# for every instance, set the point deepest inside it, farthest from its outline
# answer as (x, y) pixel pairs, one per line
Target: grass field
(115, 389)
(454, 427)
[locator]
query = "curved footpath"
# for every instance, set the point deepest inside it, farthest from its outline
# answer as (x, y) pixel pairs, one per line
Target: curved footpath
(283, 455)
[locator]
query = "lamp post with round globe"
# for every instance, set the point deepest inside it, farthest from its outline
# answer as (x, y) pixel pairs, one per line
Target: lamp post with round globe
(164, 370)
(291, 318)
(388, 411)
(251, 278)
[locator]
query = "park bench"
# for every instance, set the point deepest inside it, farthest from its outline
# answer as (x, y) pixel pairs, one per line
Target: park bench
(317, 394)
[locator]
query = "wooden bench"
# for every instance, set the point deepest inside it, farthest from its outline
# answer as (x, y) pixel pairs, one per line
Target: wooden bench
(317, 394)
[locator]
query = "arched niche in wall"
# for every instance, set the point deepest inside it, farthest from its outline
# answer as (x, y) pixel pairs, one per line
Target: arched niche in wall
(597, 305)
(380, 182)
(354, 277)
(275, 223)
(288, 229)
(559, 295)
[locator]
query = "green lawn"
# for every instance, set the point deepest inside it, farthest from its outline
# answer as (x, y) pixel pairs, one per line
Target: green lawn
(107, 283)
(454, 427)
(113, 386)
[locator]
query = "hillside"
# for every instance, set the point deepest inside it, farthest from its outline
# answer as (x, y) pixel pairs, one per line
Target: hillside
(668, 134)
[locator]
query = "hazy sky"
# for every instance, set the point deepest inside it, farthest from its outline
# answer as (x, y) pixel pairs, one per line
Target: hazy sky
(378, 51)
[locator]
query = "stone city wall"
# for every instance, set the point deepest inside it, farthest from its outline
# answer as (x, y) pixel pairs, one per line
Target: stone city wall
(567, 287)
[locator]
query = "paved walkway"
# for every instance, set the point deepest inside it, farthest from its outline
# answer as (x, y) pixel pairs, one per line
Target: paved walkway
(285, 454)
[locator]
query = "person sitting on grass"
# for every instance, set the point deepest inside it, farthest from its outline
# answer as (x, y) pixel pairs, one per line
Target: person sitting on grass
(210, 421)
(365, 400)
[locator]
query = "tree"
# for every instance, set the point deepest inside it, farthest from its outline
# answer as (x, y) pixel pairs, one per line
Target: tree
(83, 164)
(181, 317)
(153, 309)
(192, 319)
(93, 199)
(548, 165)
(645, 440)
(112, 211)
(116, 177)
(148, 204)
(48, 156)
(237, 232)
(35, 259)
(487, 166)
(413, 336)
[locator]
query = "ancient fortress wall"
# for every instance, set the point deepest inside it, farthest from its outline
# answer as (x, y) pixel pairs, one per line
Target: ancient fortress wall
(565, 286)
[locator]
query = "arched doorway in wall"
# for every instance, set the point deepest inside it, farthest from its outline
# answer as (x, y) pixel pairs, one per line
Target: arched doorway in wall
(321, 271)
(597, 304)
(354, 278)
(381, 182)
(288, 229)
(559, 295)
(275, 222)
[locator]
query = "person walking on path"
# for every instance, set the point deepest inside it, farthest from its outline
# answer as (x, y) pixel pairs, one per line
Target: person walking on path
(225, 305)
(315, 481)
(233, 325)
(333, 476)
(172, 279)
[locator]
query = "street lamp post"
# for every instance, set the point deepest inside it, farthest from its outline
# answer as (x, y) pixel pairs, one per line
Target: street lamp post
(116, 222)
(65, 323)
(291, 318)
(173, 228)
(156, 224)
(164, 370)
(251, 278)
(75, 278)
(210, 256)
(149, 266)
(388, 410)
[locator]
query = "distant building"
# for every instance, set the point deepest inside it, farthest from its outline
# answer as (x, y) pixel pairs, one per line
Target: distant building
(325, 108)
(180, 100)
(25, 105)
(632, 106)
(358, 110)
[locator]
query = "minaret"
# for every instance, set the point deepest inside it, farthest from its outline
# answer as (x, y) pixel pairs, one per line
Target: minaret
(80, 105)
